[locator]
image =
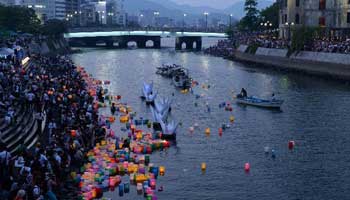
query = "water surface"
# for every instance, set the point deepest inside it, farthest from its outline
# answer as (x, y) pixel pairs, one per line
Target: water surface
(315, 115)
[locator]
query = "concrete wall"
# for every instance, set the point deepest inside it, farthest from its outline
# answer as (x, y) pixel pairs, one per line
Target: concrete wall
(242, 48)
(271, 52)
(323, 57)
(326, 64)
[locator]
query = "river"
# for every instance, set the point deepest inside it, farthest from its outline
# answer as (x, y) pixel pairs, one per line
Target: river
(315, 115)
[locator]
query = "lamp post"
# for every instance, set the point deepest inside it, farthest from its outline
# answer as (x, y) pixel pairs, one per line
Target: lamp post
(231, 15)
(289, 27)
(183, 22)
(206, 21)
(156, 14)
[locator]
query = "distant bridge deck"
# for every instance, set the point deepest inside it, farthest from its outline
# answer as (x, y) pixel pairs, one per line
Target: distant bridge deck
(163, 34)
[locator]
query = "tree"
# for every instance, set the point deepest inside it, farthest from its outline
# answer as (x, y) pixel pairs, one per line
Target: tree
(271, 15)
(20, 19)
(302, 37)
(250, 20)
(54, 28)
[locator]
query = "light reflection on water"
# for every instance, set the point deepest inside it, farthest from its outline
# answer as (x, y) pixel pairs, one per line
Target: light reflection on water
(315, 115)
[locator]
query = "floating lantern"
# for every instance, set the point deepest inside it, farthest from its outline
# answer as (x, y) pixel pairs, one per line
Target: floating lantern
(111, 119)
(291, 144)
(152, 184)
(232, 119)
(161, 170)
(207, 131)
(247, 167)
(139, 188)
(273, 153)
(266, 150)
(124, 119)
(203, 166)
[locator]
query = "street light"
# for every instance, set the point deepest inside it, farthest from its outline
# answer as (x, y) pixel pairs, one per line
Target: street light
(231, 15)
(206, 20)
(183, 22)
(289, 26)
(156, 14)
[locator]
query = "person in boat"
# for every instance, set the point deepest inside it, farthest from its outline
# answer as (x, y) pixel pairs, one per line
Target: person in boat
(243, 94)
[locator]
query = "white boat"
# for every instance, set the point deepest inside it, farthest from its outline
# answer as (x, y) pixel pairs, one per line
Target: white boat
(254, 101)
(147, 93)
(159, 117)
(169, 130)
(162, 104)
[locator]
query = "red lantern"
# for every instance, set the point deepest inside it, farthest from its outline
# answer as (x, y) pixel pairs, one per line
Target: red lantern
(291, 144)
(73, 133)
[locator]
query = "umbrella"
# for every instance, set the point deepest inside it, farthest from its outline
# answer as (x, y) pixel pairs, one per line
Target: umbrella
(6, 51)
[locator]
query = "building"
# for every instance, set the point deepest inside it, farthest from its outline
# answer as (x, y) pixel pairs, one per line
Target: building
(50, 9)
(103, 12)
(164, 22)
(115, 12)
(148, 17)
(333, 15)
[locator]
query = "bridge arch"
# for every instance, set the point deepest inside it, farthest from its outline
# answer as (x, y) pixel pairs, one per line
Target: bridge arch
(183, 45)
(150, 44)
(100, 43)
(131, 44)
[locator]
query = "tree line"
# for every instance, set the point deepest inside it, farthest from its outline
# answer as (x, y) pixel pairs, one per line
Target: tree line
(24, 20)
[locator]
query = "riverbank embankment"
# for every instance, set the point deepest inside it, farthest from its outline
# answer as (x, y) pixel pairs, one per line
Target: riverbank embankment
(334, 65)
(328, 65)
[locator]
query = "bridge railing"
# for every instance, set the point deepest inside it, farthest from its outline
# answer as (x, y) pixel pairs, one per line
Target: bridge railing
(172, 29)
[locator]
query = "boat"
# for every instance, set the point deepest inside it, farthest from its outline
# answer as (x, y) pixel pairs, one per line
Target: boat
(165, 131)
(181, 79)
(147, 93)
(162, 128)
(254, 101)
(159, 117)
(162, 105)
(168, 70)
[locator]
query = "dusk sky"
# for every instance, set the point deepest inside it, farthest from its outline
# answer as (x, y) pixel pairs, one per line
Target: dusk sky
(211, 3)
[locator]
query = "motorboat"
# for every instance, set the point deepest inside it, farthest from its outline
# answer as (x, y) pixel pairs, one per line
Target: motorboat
(147, 93)
(254, 101)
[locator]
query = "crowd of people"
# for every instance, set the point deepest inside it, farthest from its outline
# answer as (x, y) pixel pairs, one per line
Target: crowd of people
(330, 45)
(223, 48)
(51, 87)
(261, 40)
(258, 39)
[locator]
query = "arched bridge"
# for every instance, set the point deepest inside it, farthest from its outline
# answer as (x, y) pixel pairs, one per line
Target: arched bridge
(120, 39)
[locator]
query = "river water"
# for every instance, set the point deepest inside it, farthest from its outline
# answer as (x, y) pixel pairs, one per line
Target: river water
(315, 115)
